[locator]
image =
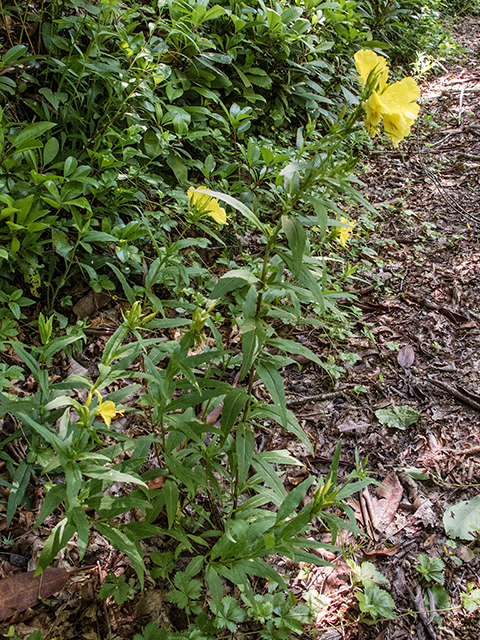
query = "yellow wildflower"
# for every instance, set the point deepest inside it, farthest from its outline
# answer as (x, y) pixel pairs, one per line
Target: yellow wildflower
(106, 409)
(206, 205)
(346, 231)
(367, 61)
(395, 103)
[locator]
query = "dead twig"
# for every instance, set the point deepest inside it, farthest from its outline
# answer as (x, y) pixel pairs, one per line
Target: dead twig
(417, 599)
(316, 398)
(454, 392)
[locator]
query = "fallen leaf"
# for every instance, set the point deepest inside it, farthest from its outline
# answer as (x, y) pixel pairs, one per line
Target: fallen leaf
(385, 502)
(20, 592)
(406, 356)
(353, 426)
(397, 417)
(157, 483)
(90, 304)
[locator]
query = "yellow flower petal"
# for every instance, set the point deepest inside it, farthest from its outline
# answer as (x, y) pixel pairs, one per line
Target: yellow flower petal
(399, 95)
(106, 409)
(397, 126)
(373, 113)
(205, 205)
(345, 232)
(198, 200)
(217, 212)
(367, 61)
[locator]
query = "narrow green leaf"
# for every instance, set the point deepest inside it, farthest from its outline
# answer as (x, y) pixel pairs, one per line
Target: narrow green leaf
(244, 444)
(297, 239)
(131, 549)
(232, 407)
(19, 484)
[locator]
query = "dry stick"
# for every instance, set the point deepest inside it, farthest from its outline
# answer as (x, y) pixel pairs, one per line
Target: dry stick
(368, 501)
(315, 398)
(367, 520)
(454, 393)
(105, 610)
(460, 103)
(464, 452)
(417, 599)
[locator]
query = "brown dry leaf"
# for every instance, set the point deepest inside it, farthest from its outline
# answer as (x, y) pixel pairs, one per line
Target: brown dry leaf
(406, 356)
(90, 304)
(382, 550)
(157, 483)
(20, 592)
(386, 503)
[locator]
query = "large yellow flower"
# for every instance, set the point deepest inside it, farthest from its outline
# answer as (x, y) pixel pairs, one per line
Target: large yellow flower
(367, 61)
(205, 205)
(398, 108)
(395, 103)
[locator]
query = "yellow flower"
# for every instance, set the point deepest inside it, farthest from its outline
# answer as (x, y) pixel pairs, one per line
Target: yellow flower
(346, 231)
(397, 107)
(106, 410)
(395, 103)
(367, 61)
(206, 205)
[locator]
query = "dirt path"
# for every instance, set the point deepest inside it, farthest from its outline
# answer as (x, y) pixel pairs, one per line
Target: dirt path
(421, 311)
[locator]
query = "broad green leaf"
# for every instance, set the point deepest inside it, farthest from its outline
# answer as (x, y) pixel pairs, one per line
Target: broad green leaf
(397, 417)
(463, 519)
(56, 541)
(293, 499)
(290, 346)
(178, 167)
(272, 412)
(321, 213)
(252, 344)
(271, 477)
(171, 496)
(376, 602)
(17, 492)
(13, 54)
(471, 600)
(78, 516)
(215, 584)
(109, 474)
(232, 406)
(31, 132)
(73, 479)
(50, 150)
(437, 596)
(194, 566)
(257, 567)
